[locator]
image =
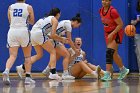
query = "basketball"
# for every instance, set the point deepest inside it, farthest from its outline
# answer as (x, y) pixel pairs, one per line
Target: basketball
(130, 30)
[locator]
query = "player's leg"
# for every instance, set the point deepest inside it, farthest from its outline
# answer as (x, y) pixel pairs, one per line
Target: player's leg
(96, 68)
(112, 53)
(50, 48)
(46, 71)
(123, 70)
(85, 68)
(13, 46)
(36, 40)
(13, 55)
(28, 64)
(75, 70)
(39, 53)
(109, 56)
(61, 50)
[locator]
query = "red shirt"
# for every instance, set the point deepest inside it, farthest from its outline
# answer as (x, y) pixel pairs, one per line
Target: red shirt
(108, 18)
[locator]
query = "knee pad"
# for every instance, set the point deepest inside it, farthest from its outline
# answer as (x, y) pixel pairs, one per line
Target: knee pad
(109, 55)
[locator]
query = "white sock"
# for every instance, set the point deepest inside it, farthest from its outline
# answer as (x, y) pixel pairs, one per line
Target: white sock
(21, 65)
(7, 70)
(66, 72)
(47, 68)
(122, 68)
(28, 72)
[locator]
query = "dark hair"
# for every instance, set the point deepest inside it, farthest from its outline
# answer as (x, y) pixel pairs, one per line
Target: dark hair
(54, 12)
(76, 38)
(77, 18)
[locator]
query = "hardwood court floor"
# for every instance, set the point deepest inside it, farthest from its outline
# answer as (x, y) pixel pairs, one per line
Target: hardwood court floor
(86, 85)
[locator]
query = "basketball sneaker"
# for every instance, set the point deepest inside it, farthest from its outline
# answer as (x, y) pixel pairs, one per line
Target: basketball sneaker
(20, 71)
(6, 79)
(46, 72)
(67, 76)
(29, 80)
(123, 73)
(106, 76)
(54, 76)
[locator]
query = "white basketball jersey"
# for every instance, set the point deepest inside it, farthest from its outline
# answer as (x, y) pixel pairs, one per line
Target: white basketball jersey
(78, 58)
(45, 24)
(63, 27)
(19, 15)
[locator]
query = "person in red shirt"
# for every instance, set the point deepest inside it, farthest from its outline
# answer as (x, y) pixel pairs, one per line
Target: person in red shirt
(113, 35)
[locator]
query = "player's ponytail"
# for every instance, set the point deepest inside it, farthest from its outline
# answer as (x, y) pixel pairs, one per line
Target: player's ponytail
(78, 15)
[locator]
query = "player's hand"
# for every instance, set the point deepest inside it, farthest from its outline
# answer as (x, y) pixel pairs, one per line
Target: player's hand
(77, 52)
(133, 22)
(65, 40)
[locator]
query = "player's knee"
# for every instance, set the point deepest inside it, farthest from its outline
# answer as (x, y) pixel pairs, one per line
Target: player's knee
(88, 64)
(81, 63)
(13, 56)
(109, 55)
(66, 55)
(85, 61)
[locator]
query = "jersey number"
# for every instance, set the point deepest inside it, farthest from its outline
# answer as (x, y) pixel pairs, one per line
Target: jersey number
(17, 12)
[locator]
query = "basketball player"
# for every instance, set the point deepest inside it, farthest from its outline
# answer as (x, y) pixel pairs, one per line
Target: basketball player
(19, 14)
(41, 34)
(136, 21)
(113, 35)
(79, 66)
(65, 28)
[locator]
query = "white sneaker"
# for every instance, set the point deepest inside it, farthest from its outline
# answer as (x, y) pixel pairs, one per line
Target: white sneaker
(6, 79)
(67, 76)
(20, 71)
(46, 72)
(54, 76)
(28, 80)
